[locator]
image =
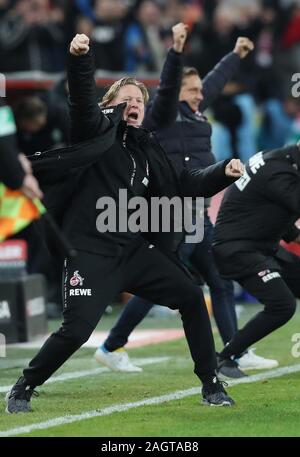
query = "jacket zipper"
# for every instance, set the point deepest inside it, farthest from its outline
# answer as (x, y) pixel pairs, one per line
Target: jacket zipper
(132, 158)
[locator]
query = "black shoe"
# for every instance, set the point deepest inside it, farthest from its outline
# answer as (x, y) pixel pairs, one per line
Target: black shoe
(214, 394)
(229, 368)
(18, 398)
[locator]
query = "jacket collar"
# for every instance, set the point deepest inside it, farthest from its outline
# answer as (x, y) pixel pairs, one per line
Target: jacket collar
(186, 109)
(115, 113)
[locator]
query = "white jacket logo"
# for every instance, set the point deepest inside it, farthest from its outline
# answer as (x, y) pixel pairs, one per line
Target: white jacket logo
(108, 111)
(76, 279)
(4, 310)
(255, 163)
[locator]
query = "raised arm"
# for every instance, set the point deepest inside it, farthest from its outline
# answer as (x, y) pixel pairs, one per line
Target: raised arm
(211, 180)
(162, 110)
(216, 79)
(87, 120)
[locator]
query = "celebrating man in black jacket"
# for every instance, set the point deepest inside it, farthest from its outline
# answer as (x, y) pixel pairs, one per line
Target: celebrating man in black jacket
(176, 116)
(117, 156)
(259, 210)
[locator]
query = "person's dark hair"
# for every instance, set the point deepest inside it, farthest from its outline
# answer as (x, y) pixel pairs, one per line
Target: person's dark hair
(29, 108)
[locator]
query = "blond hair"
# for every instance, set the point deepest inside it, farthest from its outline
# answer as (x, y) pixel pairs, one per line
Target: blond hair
(116, 86)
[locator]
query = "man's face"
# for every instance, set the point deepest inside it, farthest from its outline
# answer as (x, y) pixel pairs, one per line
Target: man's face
(191, 91)
(135, 109)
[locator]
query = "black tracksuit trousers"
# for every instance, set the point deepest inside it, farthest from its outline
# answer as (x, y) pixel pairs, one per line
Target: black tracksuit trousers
(92, 281)
(277, 290)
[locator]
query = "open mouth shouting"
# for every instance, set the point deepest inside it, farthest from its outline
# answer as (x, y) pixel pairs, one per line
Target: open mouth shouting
(132, 118)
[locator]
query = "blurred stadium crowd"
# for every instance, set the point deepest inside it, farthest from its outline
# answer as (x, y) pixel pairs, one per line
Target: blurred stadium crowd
(132, 36)
(256, 111)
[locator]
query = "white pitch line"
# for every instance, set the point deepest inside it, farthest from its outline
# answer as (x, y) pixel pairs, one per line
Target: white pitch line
(94, 371)
(150, 401)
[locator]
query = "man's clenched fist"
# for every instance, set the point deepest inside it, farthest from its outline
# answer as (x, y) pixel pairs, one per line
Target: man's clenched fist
(234, 169)
(79, 45)
(243, 46)
(180, 32)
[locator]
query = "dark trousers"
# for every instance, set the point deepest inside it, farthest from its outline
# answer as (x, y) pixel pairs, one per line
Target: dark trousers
(221, 291)
(92, 281)
(277, 290)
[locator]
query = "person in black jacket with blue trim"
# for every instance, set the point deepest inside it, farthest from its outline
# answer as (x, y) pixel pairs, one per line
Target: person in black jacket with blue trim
(176, 116)
(113, 154)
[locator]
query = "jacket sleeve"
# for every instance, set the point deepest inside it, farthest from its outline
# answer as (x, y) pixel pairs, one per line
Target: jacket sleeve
(283, 187)
(87, 119)
(162, 110)
(11, 171)
(206, 182)
(215, 80)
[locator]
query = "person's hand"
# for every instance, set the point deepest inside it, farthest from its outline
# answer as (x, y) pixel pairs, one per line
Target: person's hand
(79, 45)
(180, 32)
(30, 187)
(243, 46)
(234, 169)
(25, 163)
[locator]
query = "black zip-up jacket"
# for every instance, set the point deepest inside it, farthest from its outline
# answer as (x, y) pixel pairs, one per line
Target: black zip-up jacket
(99, 165)
(261, 208)
(184, 135)
(11, 171)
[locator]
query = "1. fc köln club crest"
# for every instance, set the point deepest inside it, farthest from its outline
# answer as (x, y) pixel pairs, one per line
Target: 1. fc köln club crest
(76, 279)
